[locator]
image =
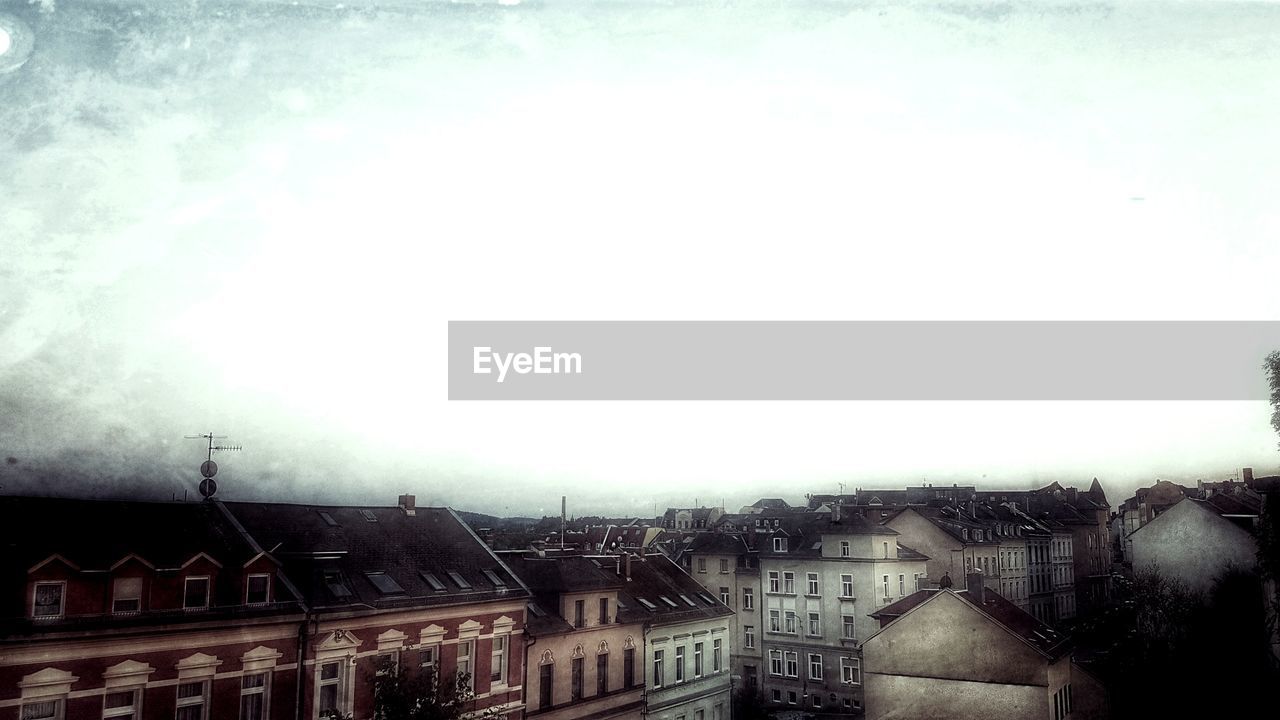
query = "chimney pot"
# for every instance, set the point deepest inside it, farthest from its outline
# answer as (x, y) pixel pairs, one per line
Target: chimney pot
(628, 567)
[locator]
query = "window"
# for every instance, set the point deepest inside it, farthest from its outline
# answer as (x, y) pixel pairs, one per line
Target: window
(724, 565)
(779, 544)
(715, 656)
(815, 625)
(791, 697)
(793, 663)
(122, 704)
(493, 578)
(817, 700)
(465, 648)
(844, 548)
(775, 662)
(498, 660)
(680, 664)
(789, 583)
(385, 584)
(458, 580)
(602, 673)
(329, 687)
(815, 666)
(697, 660)
(886, 549)
(126, 595)
(253, 696)
(544, 685)
(387, 663)
(790, 618)
(628, 668)
(775, 620)
(258, 590)
(702, 564)
(749, 635)
(47, 603)
(195, 593)
(748, 599)
(433, 581)
(579, 613)
(604, 611)
(773, 581)
(328, 519)
(657, 668)
(575, 686)
(813, 583)
(846, 586)
(847, 627)
(902, 585)
(368, 516)
(777, 695)
(42, 710)
(724, 595)
(850, 671)
(191, 700)
(428, 657)
(885, 582)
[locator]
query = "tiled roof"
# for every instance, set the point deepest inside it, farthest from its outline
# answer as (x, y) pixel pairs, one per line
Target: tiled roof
(717, 544)
(661, 593)
(378, 556)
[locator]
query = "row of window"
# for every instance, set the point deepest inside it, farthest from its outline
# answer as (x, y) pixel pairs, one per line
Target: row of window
(192, 702)
(784, 583)
(580, 612)
(787, 622)
(1062, 702)
(49, 598)
(681, 664)
(786, 663)
(724, 565)
(546, 676)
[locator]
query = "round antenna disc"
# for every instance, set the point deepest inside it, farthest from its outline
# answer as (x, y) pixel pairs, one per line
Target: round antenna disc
(208, 468)
(208, 487)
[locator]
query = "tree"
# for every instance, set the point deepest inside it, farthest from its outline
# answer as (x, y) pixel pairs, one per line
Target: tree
(1272, 366)
(401, 695)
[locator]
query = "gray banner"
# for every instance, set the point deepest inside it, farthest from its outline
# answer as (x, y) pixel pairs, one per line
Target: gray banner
(980, 360)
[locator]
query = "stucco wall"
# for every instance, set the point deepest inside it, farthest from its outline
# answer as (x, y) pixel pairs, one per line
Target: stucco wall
(891, 697)
(1193, 544)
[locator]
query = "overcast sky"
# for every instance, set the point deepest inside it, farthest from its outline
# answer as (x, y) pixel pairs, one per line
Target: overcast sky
(258, 219)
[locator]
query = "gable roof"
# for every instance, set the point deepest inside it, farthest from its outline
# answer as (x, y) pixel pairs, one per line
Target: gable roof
(996, 609)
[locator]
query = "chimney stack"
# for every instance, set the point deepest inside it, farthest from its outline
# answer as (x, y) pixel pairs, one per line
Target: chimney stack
(1247, 474)
(835, 514)
(407, 504)
(628, 567)
(974, 586)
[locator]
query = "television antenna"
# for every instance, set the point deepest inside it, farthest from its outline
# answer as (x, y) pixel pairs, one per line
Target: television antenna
(209, 468)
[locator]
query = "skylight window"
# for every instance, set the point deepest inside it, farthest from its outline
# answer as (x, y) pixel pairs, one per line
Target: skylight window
(328, 519)
(433, 581)
(368, 515)
(687, 601)
(707, 599)
(459, 580)
(385, 583)
(667, 600)
(493, 578)
(337, 586)
(647, 604)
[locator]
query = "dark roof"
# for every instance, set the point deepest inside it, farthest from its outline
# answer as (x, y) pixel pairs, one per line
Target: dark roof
(717, 544)
(661, 593)
(333, 555)
(96, 534)
(550, 577)
(804, 533)
(771, 504)
(1234, 504)
(907, 553)
(1043, 638)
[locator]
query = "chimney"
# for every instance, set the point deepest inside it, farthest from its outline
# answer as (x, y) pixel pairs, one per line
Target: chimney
(628, 567)
(1247, 474)
(973, 584)
(835, 514)
(407, 504)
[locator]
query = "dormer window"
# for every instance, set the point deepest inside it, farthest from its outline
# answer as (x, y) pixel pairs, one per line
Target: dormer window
(779, 544)
(433, 581)
(49, 600)
(195, 593)
(126, 595)
(257, 590)
(459, 580)
(385, 584)
(368, 516)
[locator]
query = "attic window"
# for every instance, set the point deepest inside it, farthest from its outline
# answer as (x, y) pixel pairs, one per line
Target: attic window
(687, 601)
(667, 600)
(336, 585)
(492, 577)
(328, 519)
(433, 581)
(385, 583)
(708, 599)
(368, 515)
(647, 604)
(779, 544)
(459, 580)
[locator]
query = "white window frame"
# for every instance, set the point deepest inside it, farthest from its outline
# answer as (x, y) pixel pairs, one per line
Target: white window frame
(846, 586)
(749, 636)
(775, 663)
(339, 680)
(775, 581)
(748, 599)
(813, 585)
(659, 667)
(59, 705)
(248, 584)
(116, 597)
(264, 690)
(469, 659)
(133, 711)
(208, 590)
(848, 627)
(775, 620)
(790, 622)
(812, 665)
(813, 626)
(779, 544)
(62, 599)
(697, 660)
(498, 660)
(201, 700)
(680, 675)
(716, 655)
(850, 671)
(845, 550)
(788, 582)
(791, 660)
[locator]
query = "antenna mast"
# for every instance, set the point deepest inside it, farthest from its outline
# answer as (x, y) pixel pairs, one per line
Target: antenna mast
(209, 468)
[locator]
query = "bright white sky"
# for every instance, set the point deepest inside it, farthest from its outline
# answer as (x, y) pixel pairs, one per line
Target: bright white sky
(260, 224)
